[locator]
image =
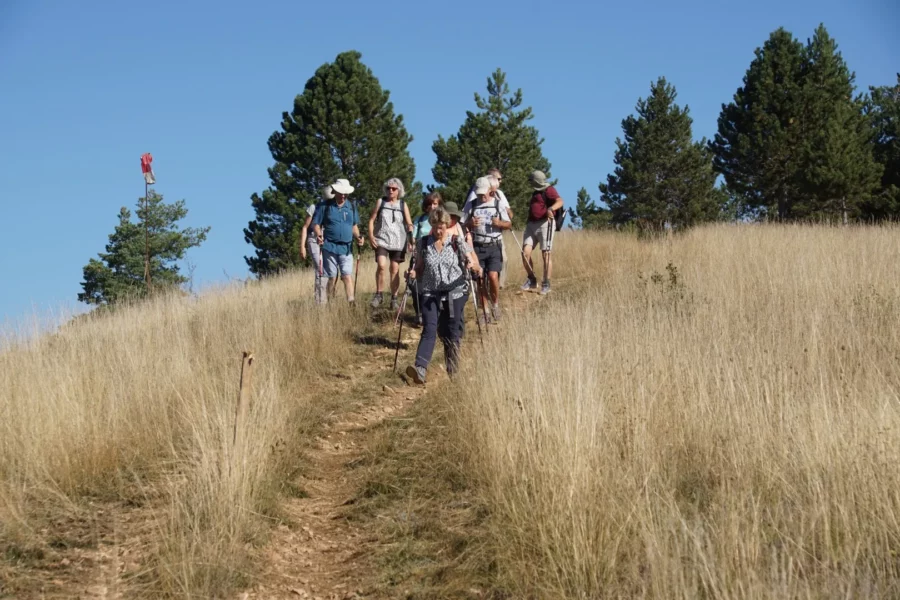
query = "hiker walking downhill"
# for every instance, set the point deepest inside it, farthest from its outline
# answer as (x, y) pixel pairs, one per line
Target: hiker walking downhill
(309, 244)
(545, 201)
(336, 225)
(421, 228)
(390, 235)
(496, 179)
(486, 220)
(441, 265)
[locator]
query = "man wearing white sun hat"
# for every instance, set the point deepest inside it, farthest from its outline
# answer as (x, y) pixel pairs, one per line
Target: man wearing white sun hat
(336, 225)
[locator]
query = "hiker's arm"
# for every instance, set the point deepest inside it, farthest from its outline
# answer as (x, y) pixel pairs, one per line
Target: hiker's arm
(372, 218)
(499, 223)
(407, 219)
(303, 234)
(357, 235)
(557, 204)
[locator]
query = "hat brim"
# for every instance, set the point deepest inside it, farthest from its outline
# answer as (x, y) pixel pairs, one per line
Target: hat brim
(341, 189)
(457, 214)
(539, 187)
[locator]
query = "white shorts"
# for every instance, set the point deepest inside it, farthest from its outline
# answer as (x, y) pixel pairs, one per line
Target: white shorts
(538, 233)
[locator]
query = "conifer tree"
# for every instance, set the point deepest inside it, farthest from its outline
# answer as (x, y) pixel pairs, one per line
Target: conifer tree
(883, 110)
(118, 274)
(662, 176)
(838, 170)
(342, 125)
(498, 135)
(757, 147)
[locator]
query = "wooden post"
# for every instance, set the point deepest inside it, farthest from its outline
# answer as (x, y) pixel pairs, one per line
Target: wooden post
(243, 405)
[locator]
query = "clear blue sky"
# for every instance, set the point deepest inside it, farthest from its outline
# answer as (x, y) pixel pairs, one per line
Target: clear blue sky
(87, 87)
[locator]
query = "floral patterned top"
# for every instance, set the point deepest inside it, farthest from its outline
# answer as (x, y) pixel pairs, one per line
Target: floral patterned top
(441, 271)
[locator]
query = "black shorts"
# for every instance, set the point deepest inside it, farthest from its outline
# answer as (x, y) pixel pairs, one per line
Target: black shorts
(397, 256)
(490, 257)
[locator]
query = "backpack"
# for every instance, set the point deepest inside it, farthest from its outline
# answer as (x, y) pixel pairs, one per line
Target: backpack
(559, 215)
(384, 205)
(474, 206)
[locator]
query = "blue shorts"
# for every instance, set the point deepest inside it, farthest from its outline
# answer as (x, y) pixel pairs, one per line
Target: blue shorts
(331, 262)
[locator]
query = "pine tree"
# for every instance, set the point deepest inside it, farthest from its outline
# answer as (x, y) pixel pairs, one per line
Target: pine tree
(119, 273)
(757, 147)
(342, 125)
(587, 215)
(662, 176)
(838, 170)
(496, 136)
(883, 109)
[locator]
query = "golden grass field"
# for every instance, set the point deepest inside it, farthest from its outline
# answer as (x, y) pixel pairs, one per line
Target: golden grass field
(715, 414)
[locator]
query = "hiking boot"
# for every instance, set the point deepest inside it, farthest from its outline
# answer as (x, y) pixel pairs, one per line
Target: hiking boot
(495, 313)
(529, 284)
(417, 374)
(395, 305)
(377, 299)
(545, 288)
(480, 318)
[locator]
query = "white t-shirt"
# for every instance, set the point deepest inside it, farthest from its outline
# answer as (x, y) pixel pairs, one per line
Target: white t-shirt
(498, 195)
(486, 212)
(311, 210)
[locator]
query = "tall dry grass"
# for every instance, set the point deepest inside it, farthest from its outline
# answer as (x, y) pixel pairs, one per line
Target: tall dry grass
(140, 405)
(712, 415)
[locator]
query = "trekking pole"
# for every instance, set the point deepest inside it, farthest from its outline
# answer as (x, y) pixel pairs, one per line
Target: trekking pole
(482, 296)
(475, 306)
(400, 311)
(529, 267)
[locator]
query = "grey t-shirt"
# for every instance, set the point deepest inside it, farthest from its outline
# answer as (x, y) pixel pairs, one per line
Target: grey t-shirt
(390, 229)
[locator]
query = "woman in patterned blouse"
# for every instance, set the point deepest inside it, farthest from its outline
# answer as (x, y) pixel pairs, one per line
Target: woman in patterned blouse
(440, 270)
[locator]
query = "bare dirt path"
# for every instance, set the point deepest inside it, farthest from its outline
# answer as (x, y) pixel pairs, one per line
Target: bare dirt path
(320, 553)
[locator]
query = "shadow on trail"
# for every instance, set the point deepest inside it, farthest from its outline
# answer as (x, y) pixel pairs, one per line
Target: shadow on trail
(380, 340)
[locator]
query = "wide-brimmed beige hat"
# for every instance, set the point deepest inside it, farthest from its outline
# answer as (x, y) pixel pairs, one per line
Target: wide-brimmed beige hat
(538, 180)
(452, 209)
(342, 186)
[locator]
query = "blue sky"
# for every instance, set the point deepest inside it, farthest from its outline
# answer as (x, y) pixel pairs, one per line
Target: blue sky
(88, 87)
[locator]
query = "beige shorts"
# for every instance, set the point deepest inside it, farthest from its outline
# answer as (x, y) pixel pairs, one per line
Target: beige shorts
(538, 233)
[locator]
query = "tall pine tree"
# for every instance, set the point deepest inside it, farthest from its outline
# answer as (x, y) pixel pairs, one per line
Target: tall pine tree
(498, 135)
(118, 274)
(757, 147)
(838, 170)
(662, 176)
(342, 125)
(794, 143)
(883, 110)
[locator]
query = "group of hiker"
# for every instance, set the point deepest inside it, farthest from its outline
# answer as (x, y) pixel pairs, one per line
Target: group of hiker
(454, 254)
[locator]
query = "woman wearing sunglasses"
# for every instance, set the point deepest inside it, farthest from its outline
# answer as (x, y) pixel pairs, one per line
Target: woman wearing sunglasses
(390, 235)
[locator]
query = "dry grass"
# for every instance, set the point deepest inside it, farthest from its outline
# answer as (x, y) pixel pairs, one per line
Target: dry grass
(139, 406)
(715, 415)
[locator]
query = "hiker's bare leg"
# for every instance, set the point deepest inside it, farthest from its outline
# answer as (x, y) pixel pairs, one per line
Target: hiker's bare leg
(495, 286)
(527, 262)
(548, 265)
(382, 261)
(348, 286)
(332, 284)
(395, 278)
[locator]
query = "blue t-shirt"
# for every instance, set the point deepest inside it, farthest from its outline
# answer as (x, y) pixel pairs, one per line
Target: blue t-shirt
(421, 227)
(338, 222)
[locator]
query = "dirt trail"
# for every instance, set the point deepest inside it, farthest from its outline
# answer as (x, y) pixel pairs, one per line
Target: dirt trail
(321, 554)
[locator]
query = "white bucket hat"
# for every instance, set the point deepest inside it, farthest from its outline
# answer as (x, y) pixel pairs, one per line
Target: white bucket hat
(482, 186)
(342, 186)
